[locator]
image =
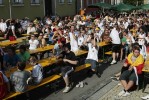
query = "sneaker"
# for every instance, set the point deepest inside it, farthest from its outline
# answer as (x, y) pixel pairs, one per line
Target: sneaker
(78, 85)
(113, 62)
(145, 97)
(126, 94)
(121, 93)
(67, 88)
(81, 84)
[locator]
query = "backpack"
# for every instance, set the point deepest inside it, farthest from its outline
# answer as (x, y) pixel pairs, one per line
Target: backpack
(3, 87)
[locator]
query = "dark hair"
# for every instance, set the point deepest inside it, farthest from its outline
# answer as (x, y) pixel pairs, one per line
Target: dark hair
(21, 66)
(13, 49)
(136, 48)
(67, 46)
(23, 47)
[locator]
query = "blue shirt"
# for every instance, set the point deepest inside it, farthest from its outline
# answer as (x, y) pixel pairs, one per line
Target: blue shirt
(11, 60)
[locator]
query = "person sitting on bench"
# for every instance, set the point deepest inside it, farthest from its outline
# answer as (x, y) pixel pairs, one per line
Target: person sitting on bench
(69, 62)
(19, 78)
(36, 73)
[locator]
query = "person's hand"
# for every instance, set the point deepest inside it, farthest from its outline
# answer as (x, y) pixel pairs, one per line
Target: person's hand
(125, 65)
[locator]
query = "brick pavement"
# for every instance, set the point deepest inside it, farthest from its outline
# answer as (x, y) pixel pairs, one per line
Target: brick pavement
(113, 94)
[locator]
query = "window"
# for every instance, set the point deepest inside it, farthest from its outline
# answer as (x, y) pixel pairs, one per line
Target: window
(61, 1)
(1, 2)
(35, 1)
(69, 1)
(17, 1)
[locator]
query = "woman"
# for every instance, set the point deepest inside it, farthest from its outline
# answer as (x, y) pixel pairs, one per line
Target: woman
(133, 67)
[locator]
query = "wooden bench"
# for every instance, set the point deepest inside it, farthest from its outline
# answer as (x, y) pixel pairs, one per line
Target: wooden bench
(44, 81)
(108, 53)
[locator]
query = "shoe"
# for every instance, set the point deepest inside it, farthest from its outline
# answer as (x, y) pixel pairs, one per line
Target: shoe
(121, 93)
(67, 88)
(98, 75)
(113, 62)
(145, 97)
(114, 79)
(78, 85)
(126, 94)
(81, 84)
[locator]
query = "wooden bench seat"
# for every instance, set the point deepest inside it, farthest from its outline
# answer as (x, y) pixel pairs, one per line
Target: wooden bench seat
(108, 53)
(44, 81)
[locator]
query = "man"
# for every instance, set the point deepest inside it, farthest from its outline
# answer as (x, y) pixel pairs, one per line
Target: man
(115, 44)
(133, 67)
(33, 43)
(69, 62)
(24, 55)
(19, 78)
(92, 56)
(11, 59)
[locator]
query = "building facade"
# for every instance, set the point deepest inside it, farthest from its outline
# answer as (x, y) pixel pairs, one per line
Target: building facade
(36, 8)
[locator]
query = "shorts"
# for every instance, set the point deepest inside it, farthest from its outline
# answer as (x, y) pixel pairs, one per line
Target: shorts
(128, 76)
(66, 70)
(116, 48)
(92, 62)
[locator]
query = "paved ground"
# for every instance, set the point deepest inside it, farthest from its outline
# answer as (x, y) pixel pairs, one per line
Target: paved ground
(95, 84)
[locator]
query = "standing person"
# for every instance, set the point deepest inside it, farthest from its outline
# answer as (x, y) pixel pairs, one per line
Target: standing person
(4, 85)
(11, 34)
(37, 72)
(92, 56)
(3, 27)
(69, 63)
(73, 41)
(116, 44)
(19, 78)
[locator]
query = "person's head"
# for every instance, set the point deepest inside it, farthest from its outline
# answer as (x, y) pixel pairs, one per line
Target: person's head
(31, 24)
(33, 37)
(22, 49)
(136, 51)
(21, 66)
(40, 36)
(11, 51)
(67, 47)
(72, 28)
(33, 60)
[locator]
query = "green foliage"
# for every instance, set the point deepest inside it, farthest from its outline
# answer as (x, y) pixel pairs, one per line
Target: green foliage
(133, 2)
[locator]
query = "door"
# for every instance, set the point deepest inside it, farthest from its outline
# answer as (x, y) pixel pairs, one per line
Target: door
(48, 7)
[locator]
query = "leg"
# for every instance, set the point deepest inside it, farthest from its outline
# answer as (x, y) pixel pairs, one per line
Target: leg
(121, 57)
(114, 56)
(124, 83)
(66, 80)
(129, 85)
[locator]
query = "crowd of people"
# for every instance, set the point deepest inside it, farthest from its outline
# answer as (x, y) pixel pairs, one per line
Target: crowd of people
(127, 33)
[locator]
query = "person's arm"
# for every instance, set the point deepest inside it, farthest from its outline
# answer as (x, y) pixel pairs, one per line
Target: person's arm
(95, 44)
(74, 62)
(13, 31)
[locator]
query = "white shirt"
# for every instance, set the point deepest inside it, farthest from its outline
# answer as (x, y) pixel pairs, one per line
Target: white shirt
(73, 43)
(3, 27)
(92, 53)
(147, 39)
(141, 39)
(33, 44)
(115, 36)
(80, 40)
(37, 72)
(31, 29)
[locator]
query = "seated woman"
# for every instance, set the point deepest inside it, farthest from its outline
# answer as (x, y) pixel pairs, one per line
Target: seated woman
(132, 68)
(37, 72)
